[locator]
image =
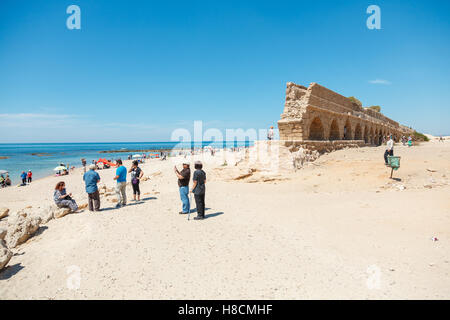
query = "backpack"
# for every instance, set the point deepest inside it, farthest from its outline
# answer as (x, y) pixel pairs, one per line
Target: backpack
(137, 172)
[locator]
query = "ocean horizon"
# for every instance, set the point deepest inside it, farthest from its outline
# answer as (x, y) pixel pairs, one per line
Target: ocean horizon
(42, 158)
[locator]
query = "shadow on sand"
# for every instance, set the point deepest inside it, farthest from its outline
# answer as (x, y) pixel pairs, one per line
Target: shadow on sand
(40, 231)
(131, 203)
(212, 215)
(10, 271)
(195, 210)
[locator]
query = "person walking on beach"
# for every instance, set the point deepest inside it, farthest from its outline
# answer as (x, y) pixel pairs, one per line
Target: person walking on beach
(198, 189)
(389, 149)
(83, 162)
(136, 175)
(62, 198)
(29, 176)
(91, 179)
(23, 176)
(270, 133)
(121, 178)
(183, 184)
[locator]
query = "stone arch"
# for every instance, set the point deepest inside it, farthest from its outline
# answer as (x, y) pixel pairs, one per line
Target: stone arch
(316, 131)
(376, 136)
(334, 131)
(358, 132)
(372, 136)
(366, 134)
(347, 130)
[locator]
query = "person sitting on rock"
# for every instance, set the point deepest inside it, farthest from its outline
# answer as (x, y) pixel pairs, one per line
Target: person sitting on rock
(63, 199)
(7, 181)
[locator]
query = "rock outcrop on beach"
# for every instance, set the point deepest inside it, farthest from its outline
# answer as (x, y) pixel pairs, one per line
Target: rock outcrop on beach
(4, 212)
(44, 213)
(21, 226)
(301, 156)
(5, 253)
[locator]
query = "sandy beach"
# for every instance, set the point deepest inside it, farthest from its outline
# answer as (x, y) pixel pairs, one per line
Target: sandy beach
(338, 228)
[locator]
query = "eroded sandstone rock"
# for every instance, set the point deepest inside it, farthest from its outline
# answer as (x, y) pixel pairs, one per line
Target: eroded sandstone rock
(2, 233)
(4, 212)
(61, 212)
(45, 213)
(21, 226)
(5, 253)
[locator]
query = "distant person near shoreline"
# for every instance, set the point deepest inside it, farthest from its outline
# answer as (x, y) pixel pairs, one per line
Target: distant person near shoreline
(29, 176)
(7, 180)
(91, 179)
(121, 178)
(23, 176)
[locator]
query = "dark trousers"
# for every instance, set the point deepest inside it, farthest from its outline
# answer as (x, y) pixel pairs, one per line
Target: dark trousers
(29, 179)
(24, 181)
(386, 154)
(200, 203)
(136, 189)
(94, 201)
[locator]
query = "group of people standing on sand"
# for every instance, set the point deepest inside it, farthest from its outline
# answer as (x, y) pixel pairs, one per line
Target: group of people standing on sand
(198, 188)
(407, 141)
(91, 179)
(390, 146)
(26, 177)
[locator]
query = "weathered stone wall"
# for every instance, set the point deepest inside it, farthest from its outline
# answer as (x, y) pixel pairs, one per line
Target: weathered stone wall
(323, 146)
(320, 114)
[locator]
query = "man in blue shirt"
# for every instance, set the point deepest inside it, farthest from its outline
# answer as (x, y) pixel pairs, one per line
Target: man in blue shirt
(91, 178)
(121, 178)
(23, 176)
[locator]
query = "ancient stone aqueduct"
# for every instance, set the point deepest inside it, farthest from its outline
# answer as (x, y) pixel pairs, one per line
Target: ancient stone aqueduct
(325, 120)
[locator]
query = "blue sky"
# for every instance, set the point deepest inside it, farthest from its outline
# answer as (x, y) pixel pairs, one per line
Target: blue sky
(139, 69)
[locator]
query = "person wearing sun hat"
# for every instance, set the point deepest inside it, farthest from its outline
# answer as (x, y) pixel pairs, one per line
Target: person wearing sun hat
(270, 133)
(183, 184)
(91, 179)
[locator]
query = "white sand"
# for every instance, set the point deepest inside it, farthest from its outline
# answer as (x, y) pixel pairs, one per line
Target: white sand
(339, 228)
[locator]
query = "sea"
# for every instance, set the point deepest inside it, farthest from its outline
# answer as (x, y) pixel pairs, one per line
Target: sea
(42, 158)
